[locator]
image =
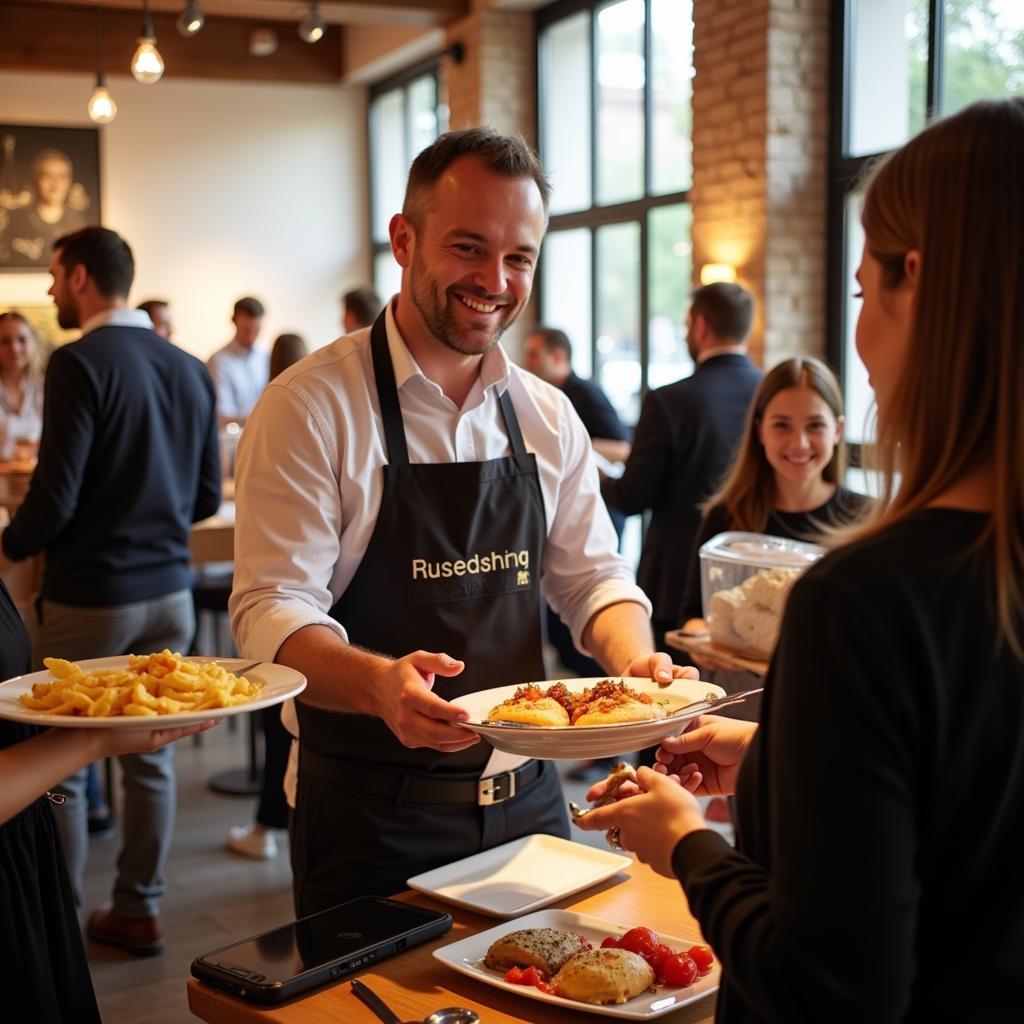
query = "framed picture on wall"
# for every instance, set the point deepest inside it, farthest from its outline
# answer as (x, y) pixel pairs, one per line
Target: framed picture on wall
(49, 185)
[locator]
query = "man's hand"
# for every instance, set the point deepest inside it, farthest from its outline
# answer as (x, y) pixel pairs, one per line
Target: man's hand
(417, 716)
(707, 756)
(659, 667)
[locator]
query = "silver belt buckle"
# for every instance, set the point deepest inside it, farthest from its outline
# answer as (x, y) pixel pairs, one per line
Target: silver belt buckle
(487, 790)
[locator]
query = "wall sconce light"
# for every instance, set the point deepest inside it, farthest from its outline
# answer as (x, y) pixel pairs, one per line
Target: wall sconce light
(147, 64)
(312, 27)
(102, 108)
(192, 19)
(711, 273)
(262, 42)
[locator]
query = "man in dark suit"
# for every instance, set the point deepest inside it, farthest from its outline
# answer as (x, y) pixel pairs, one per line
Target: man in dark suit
(684, 442)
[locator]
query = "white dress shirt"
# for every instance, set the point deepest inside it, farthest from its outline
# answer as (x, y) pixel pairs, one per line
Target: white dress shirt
(239, 375)
(309, 484)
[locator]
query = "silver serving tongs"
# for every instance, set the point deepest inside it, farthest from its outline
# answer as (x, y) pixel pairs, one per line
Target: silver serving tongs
(709, 702)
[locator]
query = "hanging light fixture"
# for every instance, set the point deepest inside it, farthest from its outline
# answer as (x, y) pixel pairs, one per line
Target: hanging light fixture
(102, 108)
(192, 19)
(147, 64)
(312, 27)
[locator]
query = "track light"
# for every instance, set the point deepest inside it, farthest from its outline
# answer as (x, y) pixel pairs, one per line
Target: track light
(192, 19)
(102, 108)
(312, 27)
(147, 64)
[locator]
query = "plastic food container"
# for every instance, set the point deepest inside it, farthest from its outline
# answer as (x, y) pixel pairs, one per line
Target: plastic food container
(745, 579)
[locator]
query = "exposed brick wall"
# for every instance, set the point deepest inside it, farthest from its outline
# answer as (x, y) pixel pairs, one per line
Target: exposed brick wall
(760, 130)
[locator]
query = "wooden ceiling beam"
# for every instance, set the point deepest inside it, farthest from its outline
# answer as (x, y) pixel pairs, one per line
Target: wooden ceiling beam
(55, 37)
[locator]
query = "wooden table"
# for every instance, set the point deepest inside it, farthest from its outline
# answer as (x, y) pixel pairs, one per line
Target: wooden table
(414, 983)
(703, 647)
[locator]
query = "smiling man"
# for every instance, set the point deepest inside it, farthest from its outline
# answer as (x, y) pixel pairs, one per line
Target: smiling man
(405, 496)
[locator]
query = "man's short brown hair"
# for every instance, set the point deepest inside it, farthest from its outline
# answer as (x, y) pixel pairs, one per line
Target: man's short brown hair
(727, 308)
(507, 155)
(249, 306)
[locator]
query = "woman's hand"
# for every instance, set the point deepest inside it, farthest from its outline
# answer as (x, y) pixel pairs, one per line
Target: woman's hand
(652, 821)
(113, 742)
(706, 758)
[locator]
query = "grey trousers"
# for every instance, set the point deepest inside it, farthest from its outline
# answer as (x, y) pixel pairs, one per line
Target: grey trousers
(150, 796)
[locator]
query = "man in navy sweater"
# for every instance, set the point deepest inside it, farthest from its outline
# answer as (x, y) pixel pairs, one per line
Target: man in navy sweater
(127, 462)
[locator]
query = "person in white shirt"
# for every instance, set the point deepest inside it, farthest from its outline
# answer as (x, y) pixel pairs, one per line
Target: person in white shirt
(405, 497)
(240, 371)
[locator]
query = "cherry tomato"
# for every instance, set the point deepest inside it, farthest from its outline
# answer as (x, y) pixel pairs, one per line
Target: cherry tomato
(679, 970)
(609, 942)
(514, 976)
(702, 956)
(639, 940)
(536, 977)
(658, 956)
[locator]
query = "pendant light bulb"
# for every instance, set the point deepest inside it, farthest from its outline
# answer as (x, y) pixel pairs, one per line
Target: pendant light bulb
(312, 27)
(192, 19)
(102, 108)
(147, 64)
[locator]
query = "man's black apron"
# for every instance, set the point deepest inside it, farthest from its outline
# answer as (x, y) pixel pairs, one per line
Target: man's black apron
(453, 565)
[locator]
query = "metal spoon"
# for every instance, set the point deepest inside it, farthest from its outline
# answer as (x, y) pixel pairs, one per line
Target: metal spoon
(449, 1015)
(711, 701)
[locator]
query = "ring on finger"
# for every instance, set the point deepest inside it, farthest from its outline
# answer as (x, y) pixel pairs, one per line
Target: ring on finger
(613, 838)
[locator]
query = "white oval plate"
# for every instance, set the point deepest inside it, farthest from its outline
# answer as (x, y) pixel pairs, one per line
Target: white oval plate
(575, 742)
(279, 684)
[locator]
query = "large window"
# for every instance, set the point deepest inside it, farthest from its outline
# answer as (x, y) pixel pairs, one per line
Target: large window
(898, 64)
(404, 117)
(614, 101)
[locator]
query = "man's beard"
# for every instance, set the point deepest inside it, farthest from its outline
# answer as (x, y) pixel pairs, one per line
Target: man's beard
(67, 313)
(431, 304)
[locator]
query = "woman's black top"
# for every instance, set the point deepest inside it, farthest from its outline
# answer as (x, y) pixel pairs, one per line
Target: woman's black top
(44, 977)
(877, 875)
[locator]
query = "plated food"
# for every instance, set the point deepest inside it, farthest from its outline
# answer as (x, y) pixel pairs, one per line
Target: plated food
(547, 949)
(607, 703)
(641, 962)
(145, 691)
(148, 686)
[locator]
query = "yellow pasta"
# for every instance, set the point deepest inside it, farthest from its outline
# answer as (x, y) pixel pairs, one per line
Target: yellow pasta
(151, 685)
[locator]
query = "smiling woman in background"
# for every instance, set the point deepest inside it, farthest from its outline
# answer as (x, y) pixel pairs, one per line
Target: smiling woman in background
(21, 387)
(880, 804)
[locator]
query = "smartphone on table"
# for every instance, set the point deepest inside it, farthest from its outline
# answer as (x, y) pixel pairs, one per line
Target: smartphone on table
(286, 962)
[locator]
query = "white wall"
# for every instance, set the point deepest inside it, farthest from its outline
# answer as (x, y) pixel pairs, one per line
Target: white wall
(222, 190)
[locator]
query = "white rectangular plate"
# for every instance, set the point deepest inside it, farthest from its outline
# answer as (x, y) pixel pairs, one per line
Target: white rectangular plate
(279, 684)
(467, 957)
(520, 876)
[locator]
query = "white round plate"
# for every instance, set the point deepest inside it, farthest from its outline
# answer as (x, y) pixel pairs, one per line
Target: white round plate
(575, 742)
(279, 684)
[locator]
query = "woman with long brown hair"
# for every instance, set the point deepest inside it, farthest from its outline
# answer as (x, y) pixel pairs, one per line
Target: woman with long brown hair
(21, 387)
(786, 478)
(895, 701)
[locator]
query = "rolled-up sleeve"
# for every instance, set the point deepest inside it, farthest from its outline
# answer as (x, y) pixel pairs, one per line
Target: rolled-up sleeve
(287, 527)
(583, 571)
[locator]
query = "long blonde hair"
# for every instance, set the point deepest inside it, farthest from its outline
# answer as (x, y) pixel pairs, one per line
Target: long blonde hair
(955, 193)
(748, 490)
(34, 368)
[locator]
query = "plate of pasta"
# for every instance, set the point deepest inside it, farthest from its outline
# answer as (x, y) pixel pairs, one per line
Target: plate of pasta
(160, 690)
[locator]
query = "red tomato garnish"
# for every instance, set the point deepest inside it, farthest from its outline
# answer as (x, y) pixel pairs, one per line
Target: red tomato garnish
(514, 976)
(639, 940)
(609, 942)
(658, 956)
(702, 956)
(679, 970)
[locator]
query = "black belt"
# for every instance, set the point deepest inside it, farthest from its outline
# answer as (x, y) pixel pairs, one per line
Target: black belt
(418, 789)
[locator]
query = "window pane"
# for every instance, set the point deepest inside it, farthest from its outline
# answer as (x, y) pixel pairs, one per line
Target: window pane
(387, 275)
(858, 396)
(984, 51)
(422, 114)
(565, 111)
(669, 269)
(565, 291)
(388, 159)
(618, 317)
(620, 101)
(671, 78)
(888, 71)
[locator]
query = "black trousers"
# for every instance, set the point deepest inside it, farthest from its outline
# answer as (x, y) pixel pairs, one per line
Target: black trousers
(345, 844)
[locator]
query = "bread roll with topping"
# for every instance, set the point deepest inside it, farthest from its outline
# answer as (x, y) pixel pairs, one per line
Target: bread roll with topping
(546, 711)
(603, 976)
(546, 948)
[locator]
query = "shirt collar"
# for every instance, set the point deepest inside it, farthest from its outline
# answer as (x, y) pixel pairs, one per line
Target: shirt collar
(721, 350)
(117, 318)
(494, 367)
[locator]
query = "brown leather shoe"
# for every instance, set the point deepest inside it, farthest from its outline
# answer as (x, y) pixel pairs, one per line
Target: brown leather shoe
(140, 936)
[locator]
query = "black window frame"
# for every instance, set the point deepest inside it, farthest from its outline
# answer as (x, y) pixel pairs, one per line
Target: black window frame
(635, 211)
